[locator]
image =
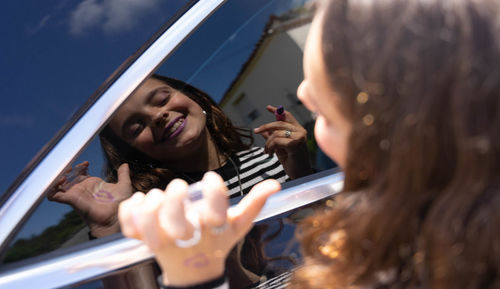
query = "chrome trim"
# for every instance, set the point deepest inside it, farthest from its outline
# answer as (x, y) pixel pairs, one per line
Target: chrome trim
(300, 195)
(105, 258)
(31, 189)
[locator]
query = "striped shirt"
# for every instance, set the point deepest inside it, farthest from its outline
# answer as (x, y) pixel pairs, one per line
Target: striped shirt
(247, 168)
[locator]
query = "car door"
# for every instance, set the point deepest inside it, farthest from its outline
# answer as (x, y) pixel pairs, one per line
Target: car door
(246, 55)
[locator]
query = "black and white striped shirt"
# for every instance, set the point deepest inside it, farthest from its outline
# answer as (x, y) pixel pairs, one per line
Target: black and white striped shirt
(247, 167)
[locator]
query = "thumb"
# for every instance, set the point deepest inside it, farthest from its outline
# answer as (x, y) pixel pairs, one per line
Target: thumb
(248, 208)
(271, 109)
(124, 174)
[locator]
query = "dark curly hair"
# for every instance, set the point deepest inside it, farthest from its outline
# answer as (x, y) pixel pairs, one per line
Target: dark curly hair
(420, 83)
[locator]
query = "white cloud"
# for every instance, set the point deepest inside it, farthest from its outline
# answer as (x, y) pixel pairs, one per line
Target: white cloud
(109, 15)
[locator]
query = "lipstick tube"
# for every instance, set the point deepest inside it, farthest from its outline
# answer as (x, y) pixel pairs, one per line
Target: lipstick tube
(280, 113)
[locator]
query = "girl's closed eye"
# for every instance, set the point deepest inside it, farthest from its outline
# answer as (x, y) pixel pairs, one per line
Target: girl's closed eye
(135, 129)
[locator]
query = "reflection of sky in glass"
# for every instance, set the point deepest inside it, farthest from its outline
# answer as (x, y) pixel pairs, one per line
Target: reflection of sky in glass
(77, 53)
(54, 55)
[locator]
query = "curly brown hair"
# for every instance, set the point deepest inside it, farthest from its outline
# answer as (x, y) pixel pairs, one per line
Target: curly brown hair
(145, 172)
(421, 203)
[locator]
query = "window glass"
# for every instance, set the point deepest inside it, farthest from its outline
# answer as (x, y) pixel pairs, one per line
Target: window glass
(246, 56)
(54, 55)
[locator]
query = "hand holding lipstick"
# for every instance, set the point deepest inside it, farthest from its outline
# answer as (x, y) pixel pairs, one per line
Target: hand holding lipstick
(287, 138)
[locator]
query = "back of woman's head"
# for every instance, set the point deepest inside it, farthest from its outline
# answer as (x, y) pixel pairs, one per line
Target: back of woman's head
(147, 173)
(420, 83)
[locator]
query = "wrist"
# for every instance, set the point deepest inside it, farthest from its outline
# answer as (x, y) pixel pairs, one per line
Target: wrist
(103, 231)
(196, 269)
(219, 282)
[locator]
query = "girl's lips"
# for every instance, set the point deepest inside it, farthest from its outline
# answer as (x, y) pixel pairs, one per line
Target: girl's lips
(174, 128)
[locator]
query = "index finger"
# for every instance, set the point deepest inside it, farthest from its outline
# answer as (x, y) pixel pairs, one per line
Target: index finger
(272, 126)
(215, 206)
(243, 214)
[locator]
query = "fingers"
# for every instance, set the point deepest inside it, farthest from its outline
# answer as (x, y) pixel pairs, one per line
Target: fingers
(290, 123)
(272, 126)
(161, 219)
(213, 211)
(172, 213)
(271, 109)
(148, 224)
(56, 188)
(124, 174)
(82, 167)
(79, 172)
(279, 140)
(128, 216)
(60, 197)
(273, 145)
(243, 214)
(288, 115)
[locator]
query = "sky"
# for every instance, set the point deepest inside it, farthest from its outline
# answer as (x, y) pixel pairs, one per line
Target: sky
(55, 54)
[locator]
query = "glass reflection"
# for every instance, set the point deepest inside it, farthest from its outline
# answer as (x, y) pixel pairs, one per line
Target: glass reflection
(169, 129)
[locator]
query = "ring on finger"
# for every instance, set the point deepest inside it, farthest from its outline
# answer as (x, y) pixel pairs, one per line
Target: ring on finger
(195, 239)
(192, 218)
(288, 133)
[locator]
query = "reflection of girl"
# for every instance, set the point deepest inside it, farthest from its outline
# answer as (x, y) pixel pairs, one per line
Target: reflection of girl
(168, 129)
(407, 96)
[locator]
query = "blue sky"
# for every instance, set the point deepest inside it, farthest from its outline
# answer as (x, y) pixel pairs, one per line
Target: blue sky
(57, 52)
(54, 54)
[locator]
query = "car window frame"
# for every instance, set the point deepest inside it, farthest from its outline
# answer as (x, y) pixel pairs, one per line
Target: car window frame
(27, 191)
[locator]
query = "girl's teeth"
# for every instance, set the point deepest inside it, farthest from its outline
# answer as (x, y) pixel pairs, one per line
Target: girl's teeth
(176, 125)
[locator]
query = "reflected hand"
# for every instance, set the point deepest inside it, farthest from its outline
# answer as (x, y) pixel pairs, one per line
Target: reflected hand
(288, 139)
(162, 217)
(94, 199)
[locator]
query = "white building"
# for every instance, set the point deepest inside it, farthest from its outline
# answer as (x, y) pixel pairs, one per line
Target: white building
(271, 75)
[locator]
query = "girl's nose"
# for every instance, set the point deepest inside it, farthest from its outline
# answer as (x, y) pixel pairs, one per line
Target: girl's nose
(301, 90)
(161, 118)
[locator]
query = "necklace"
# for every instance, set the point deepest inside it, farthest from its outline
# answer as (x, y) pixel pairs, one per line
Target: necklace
(238, 174)
(193, 179)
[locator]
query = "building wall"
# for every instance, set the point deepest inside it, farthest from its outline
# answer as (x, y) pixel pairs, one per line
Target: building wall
(271, 77)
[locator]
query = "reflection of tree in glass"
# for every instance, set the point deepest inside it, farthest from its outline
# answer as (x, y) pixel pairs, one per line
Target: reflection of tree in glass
(50, 239)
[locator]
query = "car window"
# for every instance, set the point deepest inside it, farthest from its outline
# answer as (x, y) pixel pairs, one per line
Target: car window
(54, 55)
(246, 56)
